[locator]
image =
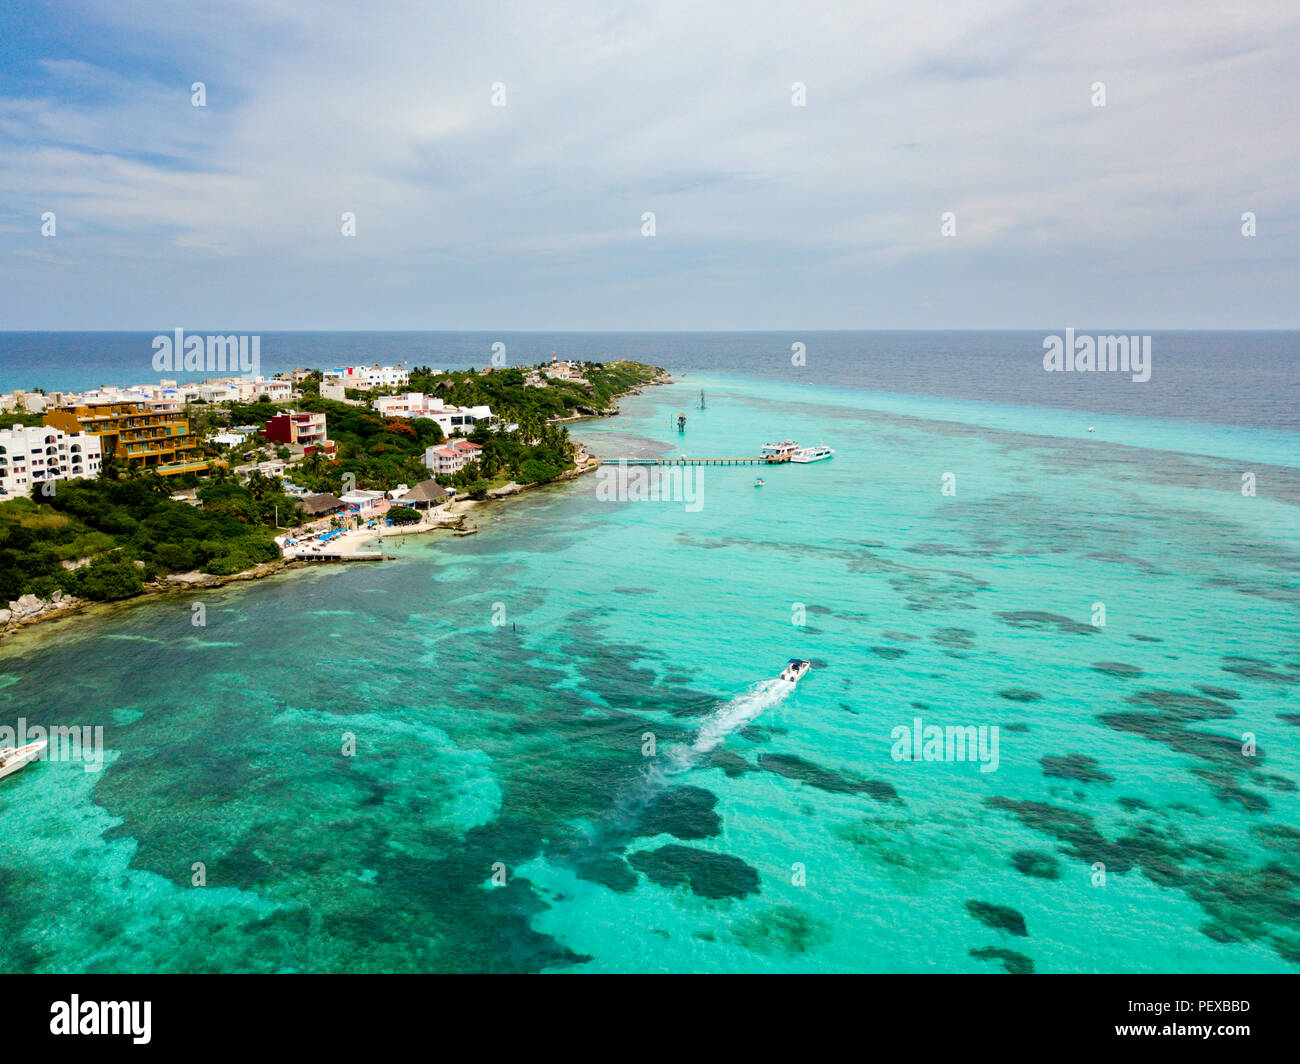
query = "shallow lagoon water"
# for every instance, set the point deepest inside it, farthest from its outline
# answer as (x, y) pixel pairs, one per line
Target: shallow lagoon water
(797, 842)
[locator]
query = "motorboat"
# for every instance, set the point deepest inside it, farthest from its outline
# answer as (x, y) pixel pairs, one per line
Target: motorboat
(759, 482)
(795, 670)
(811, 454)
(14, 758)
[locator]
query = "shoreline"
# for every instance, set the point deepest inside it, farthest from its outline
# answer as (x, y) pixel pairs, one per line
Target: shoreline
(179, 583)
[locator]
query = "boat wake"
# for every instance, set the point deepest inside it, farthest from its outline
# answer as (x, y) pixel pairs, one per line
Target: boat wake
(731, 717)
(723, 722)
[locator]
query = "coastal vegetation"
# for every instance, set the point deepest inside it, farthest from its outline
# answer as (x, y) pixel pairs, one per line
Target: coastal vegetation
(106, 539)
(103, 539)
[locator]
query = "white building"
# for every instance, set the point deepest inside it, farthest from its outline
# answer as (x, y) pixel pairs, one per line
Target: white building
(362, 502)
(38, 453)
(365, 377)
(277, 391)
(451, 419)
(451, 458)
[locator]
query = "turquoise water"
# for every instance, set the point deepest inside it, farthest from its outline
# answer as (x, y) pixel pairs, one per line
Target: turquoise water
(771, 829)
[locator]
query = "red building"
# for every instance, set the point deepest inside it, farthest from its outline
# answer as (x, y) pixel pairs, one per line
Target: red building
(305, 430)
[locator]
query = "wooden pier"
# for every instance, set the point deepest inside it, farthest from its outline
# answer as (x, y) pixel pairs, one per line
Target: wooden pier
(328, 555)
(693, 461)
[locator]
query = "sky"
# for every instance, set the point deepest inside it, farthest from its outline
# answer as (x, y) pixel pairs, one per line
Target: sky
(767, 215)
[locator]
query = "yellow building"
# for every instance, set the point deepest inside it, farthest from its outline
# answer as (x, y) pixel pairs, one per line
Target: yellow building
(148, 435)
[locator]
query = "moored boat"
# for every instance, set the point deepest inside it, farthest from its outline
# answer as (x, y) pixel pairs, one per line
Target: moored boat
(811, 454)
(14, 758)
(778, 452)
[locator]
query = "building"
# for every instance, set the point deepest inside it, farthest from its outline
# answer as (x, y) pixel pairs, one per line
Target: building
(451, 419)
(228, 439)
(22, 402)
(145, 434)
(322, 505)
(272, 468)
(362, 502)
(277, 391)
(452, 457)
(426, 495)
(34, 454)
(366, 377)
(300, 429)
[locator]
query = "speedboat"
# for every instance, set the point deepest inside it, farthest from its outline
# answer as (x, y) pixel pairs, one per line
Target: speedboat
(14, 758)
(794, 671)
(811, 454)
(758, 483)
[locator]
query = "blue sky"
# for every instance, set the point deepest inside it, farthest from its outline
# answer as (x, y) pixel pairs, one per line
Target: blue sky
(768, 216)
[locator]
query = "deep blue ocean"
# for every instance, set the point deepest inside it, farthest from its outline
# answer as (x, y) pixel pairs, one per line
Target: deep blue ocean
(1236, 378)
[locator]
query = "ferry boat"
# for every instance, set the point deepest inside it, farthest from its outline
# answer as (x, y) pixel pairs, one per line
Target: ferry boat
(795, 670)
(778, 452)
(12, 759)
(811, 454)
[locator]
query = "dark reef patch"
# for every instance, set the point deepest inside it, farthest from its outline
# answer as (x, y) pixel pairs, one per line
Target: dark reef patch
(1000, 917)
(1175, 705)
(888, 652)
(730, 762)
(1039, 621)
(954, 638)
(1147, 638)
(1012, 962)
(708, 874)
(685, 812)
(1218, 692)
(1118, 668)
(1019, 694)
(824, 779)
(781, 930)
(1075, 767)
(1131, 805)
(1289, 718)
(1016, 726)
(1254, 669)
(1037, 864)
(1247, 900)
(607, 869)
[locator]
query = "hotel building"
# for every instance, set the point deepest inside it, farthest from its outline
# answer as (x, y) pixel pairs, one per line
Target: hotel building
(145, 434)
(38, 453)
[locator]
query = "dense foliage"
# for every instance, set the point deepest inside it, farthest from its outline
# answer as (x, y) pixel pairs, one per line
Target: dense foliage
(128, 531)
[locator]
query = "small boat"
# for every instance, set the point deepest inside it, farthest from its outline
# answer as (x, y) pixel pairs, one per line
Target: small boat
(811, 454)
(778, 452)
(12, 759)
(759, 482)
(794, 671)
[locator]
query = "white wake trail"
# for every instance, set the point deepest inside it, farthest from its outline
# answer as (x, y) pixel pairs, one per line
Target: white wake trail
(735, 715)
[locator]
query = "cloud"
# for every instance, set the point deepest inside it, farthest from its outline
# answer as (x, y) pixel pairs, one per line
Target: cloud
(528, 215)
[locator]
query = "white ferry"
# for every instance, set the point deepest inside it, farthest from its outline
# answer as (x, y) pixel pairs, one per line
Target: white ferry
(811, 454)
(778, 452)
(11, 759)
